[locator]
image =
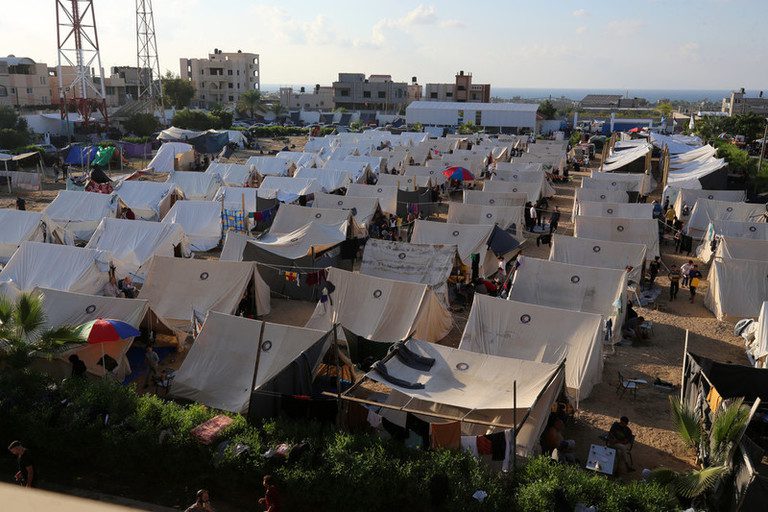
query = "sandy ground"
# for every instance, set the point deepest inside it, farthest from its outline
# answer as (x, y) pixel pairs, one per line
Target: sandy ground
(660, 356)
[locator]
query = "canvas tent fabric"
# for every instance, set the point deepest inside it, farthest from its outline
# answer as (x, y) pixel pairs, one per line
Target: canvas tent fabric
(387, 196)
(741, 249)
(290, 218)
(532, 191)
(708, 210)
(618, 210)
(602, 291)
(219, 369)
(310, 238)
(382, 310)
(519, 177)
(543, 334)
(623, 160)
(737, 288)
(234, 246)
(676, 143)
(17, 226)
(358, 169)
(600, 254)
(235, 198)
(758, 348)
(707, 173)
(164, 160)
(362, 208)
(515, 167)
(506, 217)
(641, 183)
(484, 197)
(147, 199)
(59, 267)
(271, 166)
(686, 196)
(403, 182)
(437, 177)
(133, 243)
(232, 175)
(596, 196)
(633, 231)
(329, 180)
(300, 159)
(479, 387)
(725, 228)
(196, 186)
(179, 290)
(200, 220)
(79, 213)
(468, 238)
(287, 190)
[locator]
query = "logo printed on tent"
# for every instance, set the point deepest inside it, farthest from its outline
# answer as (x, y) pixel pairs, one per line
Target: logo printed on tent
(90, 309)
(613, 183)
(401, 255)
(491, 201)
(575, 279)
(602, 196)
(488, 215)
(525, 319)
(752, 228)
(710, 196)
(455, 233)
(204, 276)
(596, 248)
(318, 215)
(376, 294)
(266, 345)
(379, 190)
(340, 203)
(729, 209)
(462, 367)
(514, 189)
(609, 211)
(619, 228)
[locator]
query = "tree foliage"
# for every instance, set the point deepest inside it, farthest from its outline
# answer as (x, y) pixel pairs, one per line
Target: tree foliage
(141, 124)
(177, 92)
(665, 109)
(251, 102)
(201, 120)
(547, 110)
(751, 126)
(468, 128)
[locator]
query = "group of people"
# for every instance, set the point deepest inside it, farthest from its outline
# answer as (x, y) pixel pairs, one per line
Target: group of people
(271, 500)
(534, 215)
(688, 273)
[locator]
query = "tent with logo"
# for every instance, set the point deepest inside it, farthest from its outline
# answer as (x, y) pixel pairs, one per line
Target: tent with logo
(506, 217)
(738, 278)
(330, 180)
(17, 226)
(196, 186)
(708, 210)
(485, 197)
(362, 208)
(640, 183)
(59, 267)
(79, 213)
(291, 217)
(200, 220)
(688, 197)
(387, 196)
(271, 166)
(133, 243)
(532, 191)
(435, 175)
(241, 365)
(381, 310)
(618, 210)
(519, 177)
(602, 291)
(543, 334)
(600, 254)
(633, 231)
(287, 190)
(403, 182)
(235, 198)
(730, 229)
(182, 291)
(300, 159)
(148, 200)
(594, 195)
(359, 170)
(232, 175)
(468, 238)
(169, 154)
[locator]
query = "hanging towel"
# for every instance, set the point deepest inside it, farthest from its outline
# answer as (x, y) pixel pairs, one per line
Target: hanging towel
(469, 443)
(498, 445)
(419, 427)
(374, 419)
(484, 445)
(446, 435)
(510, 451)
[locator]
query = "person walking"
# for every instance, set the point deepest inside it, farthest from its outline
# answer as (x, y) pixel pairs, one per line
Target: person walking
(685, 269)
(653, 271)
(669, 217)
(534, 215)
(674, 282)
(694, 276)
(153, 364)
(26, 475)
(554, 219)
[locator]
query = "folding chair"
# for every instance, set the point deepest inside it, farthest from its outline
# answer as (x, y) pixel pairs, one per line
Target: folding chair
(625, 385)
(605, 438)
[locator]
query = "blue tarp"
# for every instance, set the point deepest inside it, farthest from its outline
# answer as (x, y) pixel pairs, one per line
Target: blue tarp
(209, 142)
(81, 155)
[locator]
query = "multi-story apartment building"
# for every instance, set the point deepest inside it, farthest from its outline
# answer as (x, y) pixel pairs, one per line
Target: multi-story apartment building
(132, 76)
(114, 86)
(739, 103)
(23, 82)
(353, 91)
(319, 98)
(461, 90)
(222, 77)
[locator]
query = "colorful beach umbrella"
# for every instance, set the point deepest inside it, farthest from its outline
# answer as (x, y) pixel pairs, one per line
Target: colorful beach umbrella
(106, 330)
(458, 173)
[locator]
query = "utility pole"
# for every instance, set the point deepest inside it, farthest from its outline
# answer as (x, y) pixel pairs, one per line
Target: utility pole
(762, 148)
(150, 89)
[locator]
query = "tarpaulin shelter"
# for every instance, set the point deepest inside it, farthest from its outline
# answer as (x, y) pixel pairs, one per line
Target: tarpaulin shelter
(634, 160)
(59, 267)
(200, 220)
(737, 288)
(147, 199)
(235, 198)
(387, 196)
(181, 291)
(133, 243)
(708, 210)
(271, 166)
(329, 179)
(241, 365)
(82, 156)
(196, 186)
(166, 158)
(17, 226)
(468, 238)
(135, 150)
(484, 197)
(643, 184)
(433, 174)
(731, 229)
(210, 142)
(232, 175)
(618, 210)
(506, 217)
(475, 389)
(291, 217)
(287, 190)
(680, 197)
(595, 195)
(538, 333)
(602, 291)
(381, 310)
(633, 231)
(362, 208)
(532, 191)
(80, 213)
(600, 254)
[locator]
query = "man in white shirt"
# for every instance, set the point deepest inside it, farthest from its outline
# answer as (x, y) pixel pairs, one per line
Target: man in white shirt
(534, 216)
(685, 269)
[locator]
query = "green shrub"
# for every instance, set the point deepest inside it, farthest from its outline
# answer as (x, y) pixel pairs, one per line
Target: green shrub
(11, 138)
(141, 124)
(137, 140)
(277, 131)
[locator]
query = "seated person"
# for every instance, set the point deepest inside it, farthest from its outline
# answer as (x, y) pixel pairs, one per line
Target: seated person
(553, 442)
(125, 285)
(621, 439)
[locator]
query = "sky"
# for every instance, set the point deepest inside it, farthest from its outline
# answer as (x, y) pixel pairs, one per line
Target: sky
(642, 44)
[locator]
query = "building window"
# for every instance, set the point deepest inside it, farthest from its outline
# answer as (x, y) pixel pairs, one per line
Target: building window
(229, 72)
(321, 103)
(449, 95)
(29, 90)
(366, 94)
(202, 71)
(202, 85)
(202, 97)
(382, 94)
(231, 98)
(433, 95)
(461, 88)
(399, 93)
(479, 118)
(230, 85)
(3, 91)
(238, 85)
(343, 92)
(238, 72)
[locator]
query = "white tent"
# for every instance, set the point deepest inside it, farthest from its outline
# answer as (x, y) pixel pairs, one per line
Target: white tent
(468, 238)
(228, 363)
(271, 166)
(329, 179)
(287, 190)
(180, 290)
(532, 191)
(200, 220)
(494, 198)
(147, 199)
(234, 198)
(358, 169)
(475, 389)
(300, 159)
(582, 195)
(600, 254)
(641, 183)
(196, 186)
(512, 167)
(166, 156)
(60, 267)
(435, 175)
(232, 175)
(387, 196)
(132, 243)
(620, 159)
(291, 217)
(633, 231)
(726, 228)
(737, 288)
(79, 213)
(504, 216)
(382, 310)
(237, 137)
(538, 333)
(741, 249)
(312, 238)
(561, 285)
(363, 208)
(520, 177)
(708, 210)
(618, 210)
(403, 182)
(688, 197)
(375, 163)
(17, 226)
(757, 350)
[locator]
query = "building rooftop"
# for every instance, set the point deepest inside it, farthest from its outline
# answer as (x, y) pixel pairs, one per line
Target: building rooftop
(453, 105)
(12, 60)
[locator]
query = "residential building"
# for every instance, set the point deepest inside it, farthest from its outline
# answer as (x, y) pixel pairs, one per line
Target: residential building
(414, 90)
(114, 86)
(23, 82)
(739, 103)
(132, 76)
(611, 102)
(461, 90)
(494, 117)
(222, 77)
(353, 91)
(320, 98)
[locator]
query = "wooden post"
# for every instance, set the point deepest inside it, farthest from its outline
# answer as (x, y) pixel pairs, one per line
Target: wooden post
(514, 432)
(256, 366)
(685, 360)
(245, 216)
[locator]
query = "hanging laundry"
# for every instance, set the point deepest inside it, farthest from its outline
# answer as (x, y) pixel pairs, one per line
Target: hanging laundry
(446, 435)
(469, 444)
(498, 445)
(291, 276)
(484, 445)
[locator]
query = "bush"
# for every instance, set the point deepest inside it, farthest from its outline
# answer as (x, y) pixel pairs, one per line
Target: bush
(137, 140)
(141, 124)
(10, 138)
(277, 131)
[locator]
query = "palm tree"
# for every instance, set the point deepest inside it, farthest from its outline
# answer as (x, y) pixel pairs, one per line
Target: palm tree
(23, 334)
(251, 101)
(278, 110)
(715, 447)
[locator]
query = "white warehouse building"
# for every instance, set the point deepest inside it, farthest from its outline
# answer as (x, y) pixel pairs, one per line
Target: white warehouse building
(494, 117)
